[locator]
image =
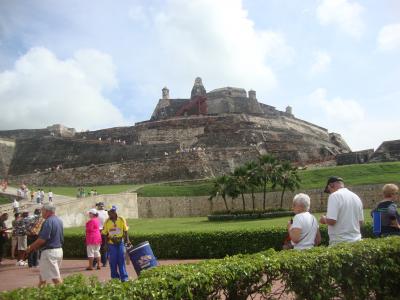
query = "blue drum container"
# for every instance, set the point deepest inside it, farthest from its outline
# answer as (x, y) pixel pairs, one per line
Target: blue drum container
(142, 257)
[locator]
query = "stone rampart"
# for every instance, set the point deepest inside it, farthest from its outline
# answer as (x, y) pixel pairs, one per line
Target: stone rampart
(74, 213)
(7, 147)
(169, 207)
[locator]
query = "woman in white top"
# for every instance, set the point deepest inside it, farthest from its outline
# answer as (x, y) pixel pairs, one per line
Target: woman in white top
(304, 232)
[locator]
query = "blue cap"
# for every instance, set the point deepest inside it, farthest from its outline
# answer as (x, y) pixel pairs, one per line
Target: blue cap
(113, 207)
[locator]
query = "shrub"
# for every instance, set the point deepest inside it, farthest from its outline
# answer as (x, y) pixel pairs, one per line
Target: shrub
(207, 244)
(249, 215)
(364, 270)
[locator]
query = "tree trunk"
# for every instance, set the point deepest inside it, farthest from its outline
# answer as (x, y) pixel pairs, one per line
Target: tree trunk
(252, 198)
(283, 192)
(244, 204)
(265, 193)
(226, 204)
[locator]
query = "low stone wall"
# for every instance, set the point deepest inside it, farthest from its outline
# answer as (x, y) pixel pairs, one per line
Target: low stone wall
(73, 213)
(169, 207)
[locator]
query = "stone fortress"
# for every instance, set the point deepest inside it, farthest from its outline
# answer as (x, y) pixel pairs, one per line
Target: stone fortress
(205, 135)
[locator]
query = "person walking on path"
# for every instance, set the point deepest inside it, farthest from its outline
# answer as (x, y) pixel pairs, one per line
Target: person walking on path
(93, 239)
(3, 235)
(33, 232)
(15, 206)
(14, 237)
(50, 241)
(390, 218)
(102, 216)
(344, 215)
(116, 231)
(50, 194)
(21, 227)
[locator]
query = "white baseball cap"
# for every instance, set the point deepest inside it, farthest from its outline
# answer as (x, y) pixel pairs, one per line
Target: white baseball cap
(92, 211)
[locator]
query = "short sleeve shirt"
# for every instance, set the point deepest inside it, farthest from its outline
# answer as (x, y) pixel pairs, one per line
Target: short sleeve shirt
(309, 228)
(115, 229)
(52, 232)
(347, 209)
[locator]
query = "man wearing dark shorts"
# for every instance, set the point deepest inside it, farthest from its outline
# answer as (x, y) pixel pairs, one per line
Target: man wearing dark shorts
(50, 240)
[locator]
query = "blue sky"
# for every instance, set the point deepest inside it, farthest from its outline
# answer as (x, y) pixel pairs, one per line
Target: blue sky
(97, 64)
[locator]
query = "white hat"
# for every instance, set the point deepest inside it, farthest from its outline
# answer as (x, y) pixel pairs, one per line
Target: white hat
(92, 211)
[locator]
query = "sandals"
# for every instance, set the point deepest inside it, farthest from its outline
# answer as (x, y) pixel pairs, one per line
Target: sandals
(89, 269)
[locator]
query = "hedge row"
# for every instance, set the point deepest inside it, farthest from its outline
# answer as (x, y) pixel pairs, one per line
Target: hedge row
(208, 244)
(249, 216)
(364, 270)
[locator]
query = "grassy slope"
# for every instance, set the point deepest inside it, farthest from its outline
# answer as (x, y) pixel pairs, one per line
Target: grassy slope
(166, 225)
(4, 200)
(310, 179)
(104, 189)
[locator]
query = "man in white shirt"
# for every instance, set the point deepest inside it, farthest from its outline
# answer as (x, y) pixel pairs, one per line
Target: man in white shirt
(344, 215)
(50, 194)
(102, 216)
(15, 206)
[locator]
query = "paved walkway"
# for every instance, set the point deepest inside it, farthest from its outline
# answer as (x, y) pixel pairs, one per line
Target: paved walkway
(13, 277)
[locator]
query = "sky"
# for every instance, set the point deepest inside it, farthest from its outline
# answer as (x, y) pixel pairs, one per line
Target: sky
(100, 63)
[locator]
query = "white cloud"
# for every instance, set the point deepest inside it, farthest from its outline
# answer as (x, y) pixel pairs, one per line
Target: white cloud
(389, 37)
(321, 63)
(217, 41)
(347, 117)
(344, 14)
(339, 109)
(42, 90)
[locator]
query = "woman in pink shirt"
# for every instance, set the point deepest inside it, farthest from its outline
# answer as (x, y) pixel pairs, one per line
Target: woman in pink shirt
(93, 238)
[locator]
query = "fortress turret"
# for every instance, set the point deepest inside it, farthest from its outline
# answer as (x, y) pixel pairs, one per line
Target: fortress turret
(252, 94)
(198, 88)
(165, 93)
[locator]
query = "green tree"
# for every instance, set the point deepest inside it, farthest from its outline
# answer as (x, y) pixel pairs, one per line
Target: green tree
(240, 179)
(287, 178)
(222, 186)
(268, 166)
(253, 179)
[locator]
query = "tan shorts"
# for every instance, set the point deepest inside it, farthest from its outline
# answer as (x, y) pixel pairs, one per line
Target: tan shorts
(93, 250)
(50, 263)
(22, 242)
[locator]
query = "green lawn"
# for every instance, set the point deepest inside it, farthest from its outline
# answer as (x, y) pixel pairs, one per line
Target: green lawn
(310, 179)
(198, 224)
(4, 200)
(103, 189)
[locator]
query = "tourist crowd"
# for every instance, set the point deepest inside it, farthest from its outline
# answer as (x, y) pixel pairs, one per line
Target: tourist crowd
(107, 231)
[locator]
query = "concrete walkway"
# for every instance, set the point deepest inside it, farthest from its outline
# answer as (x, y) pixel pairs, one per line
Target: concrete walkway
(13, 277)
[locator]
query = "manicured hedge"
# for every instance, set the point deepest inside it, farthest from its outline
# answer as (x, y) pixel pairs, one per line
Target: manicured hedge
(249, 216)
(214, 244)
(364, 270)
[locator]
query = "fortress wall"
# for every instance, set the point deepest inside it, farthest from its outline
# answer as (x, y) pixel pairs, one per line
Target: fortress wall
(7, 147)
(74, 213)
(179, 166)
(186, 136)
(187, 166)
(40, 154)
(24, 133)
(168, 207)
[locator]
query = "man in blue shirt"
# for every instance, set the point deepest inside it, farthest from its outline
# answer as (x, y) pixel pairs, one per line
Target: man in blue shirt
(50, 240)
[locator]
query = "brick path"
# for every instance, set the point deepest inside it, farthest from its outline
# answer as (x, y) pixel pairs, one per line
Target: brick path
(12, 276)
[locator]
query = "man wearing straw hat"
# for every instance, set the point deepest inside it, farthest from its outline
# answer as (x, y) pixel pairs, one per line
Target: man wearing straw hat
(50, 241)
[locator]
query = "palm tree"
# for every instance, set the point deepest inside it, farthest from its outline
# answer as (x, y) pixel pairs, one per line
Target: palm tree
(287, 178)
(241, 182)
(221, 186)
(253, 178)
(268, 165)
